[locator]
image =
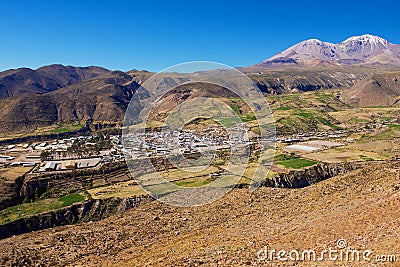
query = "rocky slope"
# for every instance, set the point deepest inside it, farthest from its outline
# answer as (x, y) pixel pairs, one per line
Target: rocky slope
(89, 210)
(310, 175)
(104, 98)
(16, 82)
(381, 89)
(230, 231)
(308, 79)
(10, 192)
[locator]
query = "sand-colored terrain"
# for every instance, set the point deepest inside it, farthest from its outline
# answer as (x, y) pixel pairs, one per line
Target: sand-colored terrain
(360, 207)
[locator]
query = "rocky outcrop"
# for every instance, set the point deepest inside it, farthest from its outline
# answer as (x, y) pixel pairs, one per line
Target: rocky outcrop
(33, 186)
(311, 175)
(90, 210)
(10, 192)
(56, 185)
(304, 81)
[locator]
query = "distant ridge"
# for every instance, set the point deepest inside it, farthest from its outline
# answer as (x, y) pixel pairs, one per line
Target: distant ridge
(20, 81)
(31, 99)
(102, 99)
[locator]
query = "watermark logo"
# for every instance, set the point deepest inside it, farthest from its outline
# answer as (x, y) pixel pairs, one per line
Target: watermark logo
(341, 243)
(191, 131)
(340, 253)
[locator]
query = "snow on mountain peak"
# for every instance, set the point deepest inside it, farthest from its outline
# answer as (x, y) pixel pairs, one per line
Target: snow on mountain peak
(361, 49)
(315, 42)
(312, 41)
(367, 38)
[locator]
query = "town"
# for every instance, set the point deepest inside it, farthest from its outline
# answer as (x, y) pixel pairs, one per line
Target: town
(94, 151)
(63, 154)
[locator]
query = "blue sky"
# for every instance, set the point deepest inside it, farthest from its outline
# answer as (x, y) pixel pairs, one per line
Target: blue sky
(154, 35)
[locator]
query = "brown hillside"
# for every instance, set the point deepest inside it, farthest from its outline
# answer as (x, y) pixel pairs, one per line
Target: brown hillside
(45, 79)
(361, 207)
(377, 90)
(103, 98)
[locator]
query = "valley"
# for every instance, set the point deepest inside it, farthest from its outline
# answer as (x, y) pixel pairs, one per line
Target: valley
(314, 129)
(78, 188)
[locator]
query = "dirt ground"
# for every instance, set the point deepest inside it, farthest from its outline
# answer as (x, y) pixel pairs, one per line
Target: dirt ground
(361, 207)
(10, 174)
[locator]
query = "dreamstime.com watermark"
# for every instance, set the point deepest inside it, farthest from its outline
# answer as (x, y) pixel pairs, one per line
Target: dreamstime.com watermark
(341, 253)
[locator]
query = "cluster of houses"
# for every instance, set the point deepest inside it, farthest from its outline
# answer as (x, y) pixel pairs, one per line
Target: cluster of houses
(29, 154)
(69, 164)
(294, 138)
(181, 142)
(137, 145)
(56, 145)
(368, 128)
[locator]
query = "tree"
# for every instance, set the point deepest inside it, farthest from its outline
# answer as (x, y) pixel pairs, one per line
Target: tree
(45, 155)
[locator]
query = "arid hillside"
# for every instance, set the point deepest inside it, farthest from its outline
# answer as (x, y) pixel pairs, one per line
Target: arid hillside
(360, 207)
(56, 94)
(101, 99)
(16, 82)
(377, 90)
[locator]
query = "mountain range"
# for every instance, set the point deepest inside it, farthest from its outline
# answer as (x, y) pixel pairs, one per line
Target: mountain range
(364, 49)
(103, 98)
(367, 66)
(45, 79)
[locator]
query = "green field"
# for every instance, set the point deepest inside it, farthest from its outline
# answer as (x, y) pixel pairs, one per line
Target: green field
(393, 132)
(194, 182)
(296, 163)
(66, 128)
(366, 158)
(283, 108)
(282, 157)
(28, 209)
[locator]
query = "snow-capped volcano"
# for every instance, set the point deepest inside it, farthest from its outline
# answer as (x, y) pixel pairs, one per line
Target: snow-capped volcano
(364, 49)
(367, 39)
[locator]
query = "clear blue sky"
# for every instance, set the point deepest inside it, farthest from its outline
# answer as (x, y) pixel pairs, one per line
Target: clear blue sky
(153, 35)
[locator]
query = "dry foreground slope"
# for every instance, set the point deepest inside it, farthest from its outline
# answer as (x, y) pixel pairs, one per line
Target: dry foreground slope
(361, 207)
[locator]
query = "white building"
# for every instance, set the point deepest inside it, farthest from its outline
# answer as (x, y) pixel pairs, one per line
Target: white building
(50, 166)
